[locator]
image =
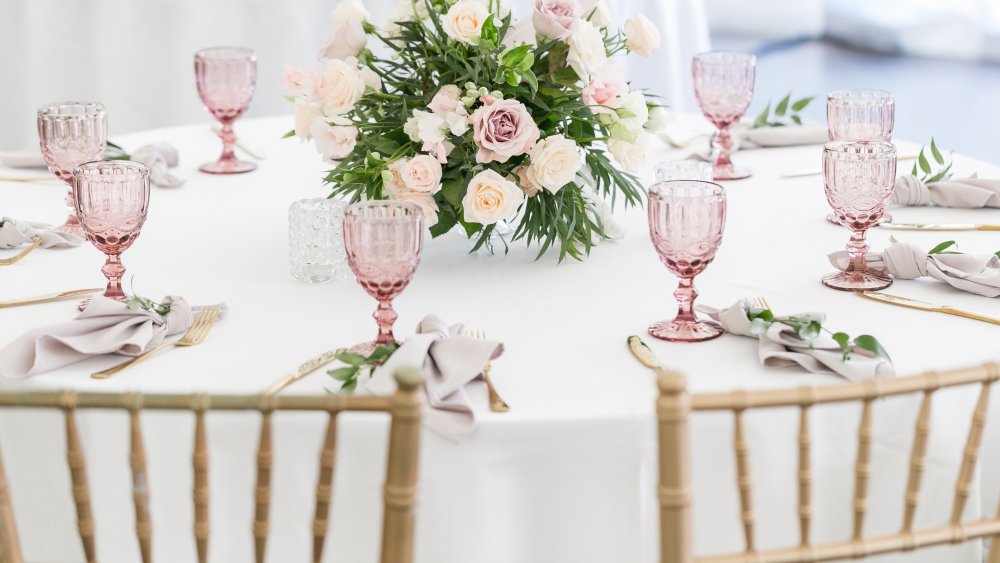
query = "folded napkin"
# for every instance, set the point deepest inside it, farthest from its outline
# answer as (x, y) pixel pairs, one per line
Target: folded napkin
(779, 346)
(106, 326)
(977, 273)
(955, 192)
(14, 233)
(746, 137)
(450, 361)
(158, 157)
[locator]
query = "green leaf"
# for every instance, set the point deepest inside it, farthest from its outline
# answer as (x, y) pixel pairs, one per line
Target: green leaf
(766, 315)
(782, 106)
(382, 353)
(289, 134)
(514, 57)
(936, 153)
(489, 31)
(801, 104)
(512, 78)
(870, 343)
(762, 118)
(914, 171)
(351, 358)
(922, 161)
(349, 386)
(843, 340)
(997, 254)
(344, 373)
(531, 79)
(446, 220)
(942, 247)
(453, 191)
(797, 119)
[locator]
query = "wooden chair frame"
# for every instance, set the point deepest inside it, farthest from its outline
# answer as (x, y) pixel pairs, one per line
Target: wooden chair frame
(401, 473)
(675, 406)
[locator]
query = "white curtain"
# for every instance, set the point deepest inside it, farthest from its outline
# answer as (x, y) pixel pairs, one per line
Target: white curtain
(135, 56)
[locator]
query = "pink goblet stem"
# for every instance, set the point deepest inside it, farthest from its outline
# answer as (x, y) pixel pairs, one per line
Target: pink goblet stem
(722, 149)
(386, 317)
(114, 270)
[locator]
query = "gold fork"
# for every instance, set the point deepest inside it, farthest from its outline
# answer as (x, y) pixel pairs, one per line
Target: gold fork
(761, 302)
(496, 403)
(23, 253)
(195, 335)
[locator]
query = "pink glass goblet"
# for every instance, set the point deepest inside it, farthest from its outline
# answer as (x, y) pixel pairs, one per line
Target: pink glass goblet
(111, 200)
(686, 220)
(723, 85)
(226, 78)
(859, 176)
(383, 240)
(70, 134)
(860, 115)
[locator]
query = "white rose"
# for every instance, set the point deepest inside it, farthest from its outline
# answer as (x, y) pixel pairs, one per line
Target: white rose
(491, 198)
(521, 32)
(334, 141)
(631, 156)
(641, 36)
(349, 10)
(371, 78)
(598, 14)
(555, 161)
(306, 113)
(425, 127)
(348, 40)
(465, 19)
(659, 118)
(341, 86)
(586, 49)
(630, 117)
(427, 205)
(422, 174)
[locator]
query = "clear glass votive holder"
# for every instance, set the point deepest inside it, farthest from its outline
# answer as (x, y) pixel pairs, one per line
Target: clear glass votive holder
(672, 170)
(316, 240)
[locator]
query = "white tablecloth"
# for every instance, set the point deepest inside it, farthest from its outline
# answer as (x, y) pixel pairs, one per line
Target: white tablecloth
(568, 475)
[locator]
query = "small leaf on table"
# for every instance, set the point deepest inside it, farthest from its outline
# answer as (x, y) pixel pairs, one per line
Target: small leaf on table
(870, 343)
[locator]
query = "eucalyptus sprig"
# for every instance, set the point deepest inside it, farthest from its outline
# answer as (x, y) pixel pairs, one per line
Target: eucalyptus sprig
(786, 111)
(944, 246)
(348, 375)
(139, 302)
(808, 328)
(929, 175)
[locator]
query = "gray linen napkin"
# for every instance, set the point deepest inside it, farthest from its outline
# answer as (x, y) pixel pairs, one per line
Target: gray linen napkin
(955, 192)
(450, 361)
(746, 137)
(14, 233)
(106, 326)
(158, 157)
(779, 346)
(976, 273)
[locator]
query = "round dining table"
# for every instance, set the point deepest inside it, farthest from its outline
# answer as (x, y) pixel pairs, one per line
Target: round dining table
(568, 475)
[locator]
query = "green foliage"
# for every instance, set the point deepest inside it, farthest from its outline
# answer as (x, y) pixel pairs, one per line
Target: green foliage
(785, 112)
(808, 328)
(422, 59)
(348, 374)
(929, 175)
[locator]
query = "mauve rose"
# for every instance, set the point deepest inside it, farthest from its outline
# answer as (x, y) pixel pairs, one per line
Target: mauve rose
(555, 18)
(501, 130)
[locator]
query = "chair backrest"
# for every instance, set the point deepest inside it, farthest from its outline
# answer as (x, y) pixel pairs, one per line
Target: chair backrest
(675, 406)
(401, 473)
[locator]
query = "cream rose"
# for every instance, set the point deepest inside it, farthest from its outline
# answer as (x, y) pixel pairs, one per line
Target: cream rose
(427, 205)
(392, 179)
(521, 32)
(447, 99)
(597, 13)
(349, 10)
(341, 86)
(555, 19)
(464, 21)
(301, 83)
(586, 50)
(631, 156)
(348, 40)
(336, 139)
(641, 36)
(491, 198)
(524, 180)
(555, 161)
(371, 78)
(306, 113)
(422, 174)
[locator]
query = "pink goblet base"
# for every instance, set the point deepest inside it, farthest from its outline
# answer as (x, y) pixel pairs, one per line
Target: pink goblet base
(679, 330)
(857, 281)
(729, 172)
(228, 167)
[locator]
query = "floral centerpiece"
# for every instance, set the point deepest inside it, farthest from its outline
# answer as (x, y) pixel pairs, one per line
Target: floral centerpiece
(480, 119)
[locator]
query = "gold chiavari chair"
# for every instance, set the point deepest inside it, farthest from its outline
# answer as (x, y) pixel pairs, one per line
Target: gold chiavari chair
(675, 406)
(401, 473)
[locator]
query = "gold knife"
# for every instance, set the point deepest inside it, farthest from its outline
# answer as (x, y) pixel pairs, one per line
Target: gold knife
(939, 227)
(47, 298)
(303, 370)
(644, 354)
(925, 306)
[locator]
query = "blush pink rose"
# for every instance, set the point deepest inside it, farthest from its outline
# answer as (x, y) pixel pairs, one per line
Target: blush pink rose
(605, 91)
(501, 130)
(555, 18)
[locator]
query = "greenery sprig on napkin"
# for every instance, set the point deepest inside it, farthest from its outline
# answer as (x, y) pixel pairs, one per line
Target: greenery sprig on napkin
(348, 375)
(808, 328)
(944, 246)
(929, 176)
(782, 116)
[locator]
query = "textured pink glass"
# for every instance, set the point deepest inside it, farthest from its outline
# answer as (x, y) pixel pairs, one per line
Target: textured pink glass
(686, 220)
(226, 78)
(383, 240)
(859, 176)
(723, 85)
(69, 134)
(860, 115)
(111, 200)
